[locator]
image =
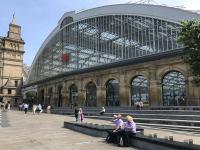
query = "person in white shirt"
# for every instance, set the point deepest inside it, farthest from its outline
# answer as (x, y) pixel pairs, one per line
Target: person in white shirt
(40, 108)
(103, 110)
(25, 108)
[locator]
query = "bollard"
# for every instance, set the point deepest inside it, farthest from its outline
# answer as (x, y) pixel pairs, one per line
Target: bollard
(165, 138)
(150, 135)
(142, 132)
(171, 138)
(186, 141)
(190, 141)
(155, 135)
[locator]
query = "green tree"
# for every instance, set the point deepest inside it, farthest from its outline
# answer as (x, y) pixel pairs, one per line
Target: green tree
(189, 35)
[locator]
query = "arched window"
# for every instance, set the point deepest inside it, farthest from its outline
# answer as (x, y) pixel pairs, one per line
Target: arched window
(112, 93)
(173, 88)
(139, 90)
(73, 95)
(91, 97)
(66, 21)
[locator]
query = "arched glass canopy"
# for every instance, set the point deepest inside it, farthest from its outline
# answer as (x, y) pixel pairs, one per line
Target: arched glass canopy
(174, 88)
(102, 40)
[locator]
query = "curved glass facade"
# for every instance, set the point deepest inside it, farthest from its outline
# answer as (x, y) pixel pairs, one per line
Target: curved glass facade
(101, 40)
(91, 95)
(139, 90)
(174, 88)
(112, 93)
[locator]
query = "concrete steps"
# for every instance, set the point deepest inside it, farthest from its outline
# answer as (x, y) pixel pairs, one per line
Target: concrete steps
(183, 120)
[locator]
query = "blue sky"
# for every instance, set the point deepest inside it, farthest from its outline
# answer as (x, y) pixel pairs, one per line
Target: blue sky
(39, 17)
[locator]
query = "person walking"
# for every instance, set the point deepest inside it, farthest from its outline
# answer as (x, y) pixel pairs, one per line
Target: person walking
(34, 108)
(76, 113)
(9, 106)
(40, 108)
(81, 114)
(25, 108)
(49, 109)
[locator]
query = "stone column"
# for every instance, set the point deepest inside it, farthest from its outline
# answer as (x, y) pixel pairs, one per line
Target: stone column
(124, 91)
(101, 96)
(155, 93)
(192, 93)
(81, 97)
(55, 96)
(64, 95)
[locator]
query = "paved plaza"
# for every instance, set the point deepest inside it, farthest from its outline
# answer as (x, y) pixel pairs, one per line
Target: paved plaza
(45, 132)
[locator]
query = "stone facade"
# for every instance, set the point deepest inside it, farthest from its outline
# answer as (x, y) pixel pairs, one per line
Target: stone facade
(153, 71)
(11, 57)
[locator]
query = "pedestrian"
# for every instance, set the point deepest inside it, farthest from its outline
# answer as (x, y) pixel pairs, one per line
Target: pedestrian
(9, 106)
(103, 110)
(137, 105)
(81, 114)
(6, 106)
(76, 113)
(25, 108)
(2, 106)
(141, 104)
(49, 109)
(34, 108)
(40, 108)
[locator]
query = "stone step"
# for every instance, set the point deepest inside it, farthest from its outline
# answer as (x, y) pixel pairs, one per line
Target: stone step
(128, 110)
(151, 116)
(176, 128)
(155, 121)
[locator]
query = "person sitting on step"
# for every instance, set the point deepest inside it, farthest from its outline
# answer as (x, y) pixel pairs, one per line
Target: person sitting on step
(129, 129)
(103, 110)
(118, 122)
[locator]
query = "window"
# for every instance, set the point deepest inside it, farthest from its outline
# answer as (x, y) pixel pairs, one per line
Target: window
(9, 91)
(16, 83)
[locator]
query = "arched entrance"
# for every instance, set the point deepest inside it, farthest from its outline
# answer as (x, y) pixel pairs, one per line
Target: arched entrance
(173, 88)
(91, 96)
(112, 93)
(139, 90)
(60, 96)
(73, 95)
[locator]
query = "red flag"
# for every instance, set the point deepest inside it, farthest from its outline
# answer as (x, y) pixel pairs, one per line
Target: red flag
(65, 58)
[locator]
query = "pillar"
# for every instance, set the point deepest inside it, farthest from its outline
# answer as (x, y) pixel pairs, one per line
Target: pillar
(124, 90)
(101, 95)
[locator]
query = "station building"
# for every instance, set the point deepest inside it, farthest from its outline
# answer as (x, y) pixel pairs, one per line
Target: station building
(114, 56)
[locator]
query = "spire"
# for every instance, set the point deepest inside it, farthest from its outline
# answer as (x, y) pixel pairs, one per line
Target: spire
(14, 20)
